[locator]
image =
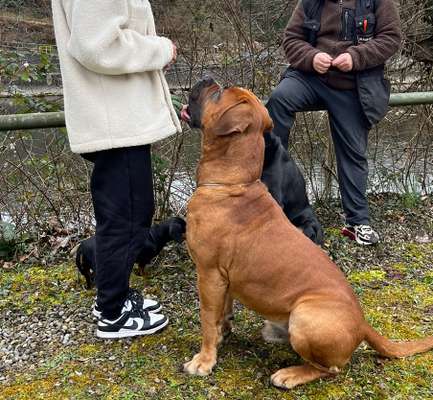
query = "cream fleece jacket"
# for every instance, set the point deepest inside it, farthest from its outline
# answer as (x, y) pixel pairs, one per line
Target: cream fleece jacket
(111, 60)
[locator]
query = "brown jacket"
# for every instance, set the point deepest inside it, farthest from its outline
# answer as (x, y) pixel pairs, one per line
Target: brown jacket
(386, 42)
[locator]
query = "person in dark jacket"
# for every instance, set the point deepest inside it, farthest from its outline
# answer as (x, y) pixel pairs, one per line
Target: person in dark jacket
(327, 73)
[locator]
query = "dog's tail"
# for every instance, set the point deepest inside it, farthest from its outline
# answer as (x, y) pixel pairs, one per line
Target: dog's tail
(391, 349)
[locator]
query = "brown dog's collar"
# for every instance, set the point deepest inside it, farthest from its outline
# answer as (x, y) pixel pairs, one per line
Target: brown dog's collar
(214, 184)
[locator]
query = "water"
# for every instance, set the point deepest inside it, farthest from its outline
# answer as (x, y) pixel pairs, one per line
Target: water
(397, 163)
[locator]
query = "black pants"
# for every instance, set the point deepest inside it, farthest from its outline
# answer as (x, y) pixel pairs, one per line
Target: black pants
(122, 193)
(300, 91)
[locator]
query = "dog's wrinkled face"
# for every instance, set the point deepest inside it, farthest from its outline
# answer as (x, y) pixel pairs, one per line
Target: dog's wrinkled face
(238, 106)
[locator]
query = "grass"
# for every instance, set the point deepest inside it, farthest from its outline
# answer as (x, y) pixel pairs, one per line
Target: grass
(393, 281)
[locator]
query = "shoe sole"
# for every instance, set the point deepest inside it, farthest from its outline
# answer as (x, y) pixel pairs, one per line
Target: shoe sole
(125, 334)
(97, 314)
(364, 243)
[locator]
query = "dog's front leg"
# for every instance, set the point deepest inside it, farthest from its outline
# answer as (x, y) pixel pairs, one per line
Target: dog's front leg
(213, 290)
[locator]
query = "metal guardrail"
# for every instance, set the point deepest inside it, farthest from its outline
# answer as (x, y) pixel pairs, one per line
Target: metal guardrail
(410, 99)
(57, 119)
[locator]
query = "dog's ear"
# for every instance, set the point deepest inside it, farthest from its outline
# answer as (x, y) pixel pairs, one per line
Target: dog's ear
(234, 119)
(268, 124)
(266, 119)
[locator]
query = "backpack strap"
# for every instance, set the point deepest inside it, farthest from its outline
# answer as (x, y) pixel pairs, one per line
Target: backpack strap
(365, 6)
(313, 14)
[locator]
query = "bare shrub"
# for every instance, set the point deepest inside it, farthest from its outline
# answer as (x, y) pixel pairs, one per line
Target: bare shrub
(44, 188)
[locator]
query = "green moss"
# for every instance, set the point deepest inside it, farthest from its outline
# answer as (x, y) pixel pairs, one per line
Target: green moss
(418, 254)
(367, 276)
(37, 287)
(150, 367)
(90, 350)
(333, 232)
(401, 267)
(428, 278)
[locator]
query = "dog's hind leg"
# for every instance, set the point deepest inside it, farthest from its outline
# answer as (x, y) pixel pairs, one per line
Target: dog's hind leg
(325, 336)
(213, 290)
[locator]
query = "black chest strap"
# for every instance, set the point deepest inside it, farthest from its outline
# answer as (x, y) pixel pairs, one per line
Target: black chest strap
(313, 14)
(312, 22)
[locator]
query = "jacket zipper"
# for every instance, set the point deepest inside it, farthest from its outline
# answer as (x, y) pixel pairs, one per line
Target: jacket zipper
(346, 18)
(345, 24)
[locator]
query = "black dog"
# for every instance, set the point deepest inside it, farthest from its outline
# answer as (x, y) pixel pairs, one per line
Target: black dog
(159, 236)
(280, 173)
(287, 186)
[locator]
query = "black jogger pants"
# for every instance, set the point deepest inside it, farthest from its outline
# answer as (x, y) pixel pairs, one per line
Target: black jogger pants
(122, 193)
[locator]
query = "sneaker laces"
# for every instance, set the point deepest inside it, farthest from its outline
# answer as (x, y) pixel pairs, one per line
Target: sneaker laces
(136, 298)
(365, 229)
(140, 313)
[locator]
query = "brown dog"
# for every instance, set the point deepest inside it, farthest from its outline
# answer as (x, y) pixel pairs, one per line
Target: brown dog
(246, 249)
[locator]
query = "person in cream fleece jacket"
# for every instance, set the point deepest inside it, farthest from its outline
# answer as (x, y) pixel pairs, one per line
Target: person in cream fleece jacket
(117, 103)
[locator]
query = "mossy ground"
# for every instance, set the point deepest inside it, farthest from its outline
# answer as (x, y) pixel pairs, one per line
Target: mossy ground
(393, 281)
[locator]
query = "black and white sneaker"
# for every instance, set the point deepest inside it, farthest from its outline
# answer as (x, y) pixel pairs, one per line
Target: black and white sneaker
(362, 234)
(136, 301)
(134, 322)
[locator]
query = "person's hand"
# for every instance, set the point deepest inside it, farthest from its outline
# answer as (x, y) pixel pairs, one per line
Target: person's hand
(184, 114)
(174, 58)
(174, 54)
(322, 62)
(343, 62)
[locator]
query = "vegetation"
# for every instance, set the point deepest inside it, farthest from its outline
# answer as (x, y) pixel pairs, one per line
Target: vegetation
(393, 282)
(45, 209)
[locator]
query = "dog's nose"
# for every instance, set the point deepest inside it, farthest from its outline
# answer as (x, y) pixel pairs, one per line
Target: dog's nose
(208, 80)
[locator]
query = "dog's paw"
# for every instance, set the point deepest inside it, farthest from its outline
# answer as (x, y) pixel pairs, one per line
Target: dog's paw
(199, 365)
(285, 379)
(288, 378)
(177, 229)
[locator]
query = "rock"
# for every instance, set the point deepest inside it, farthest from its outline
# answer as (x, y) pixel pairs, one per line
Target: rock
(66, 338)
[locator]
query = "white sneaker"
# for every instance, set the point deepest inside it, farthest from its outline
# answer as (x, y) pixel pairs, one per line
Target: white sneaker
(362, 234)
(132, 322)
(137, 301)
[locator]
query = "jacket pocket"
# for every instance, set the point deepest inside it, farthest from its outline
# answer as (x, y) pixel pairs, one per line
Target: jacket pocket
(365, 27)
(374, 91)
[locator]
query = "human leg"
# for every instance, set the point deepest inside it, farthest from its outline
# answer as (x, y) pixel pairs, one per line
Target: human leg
(294, 93)
(349, 130)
